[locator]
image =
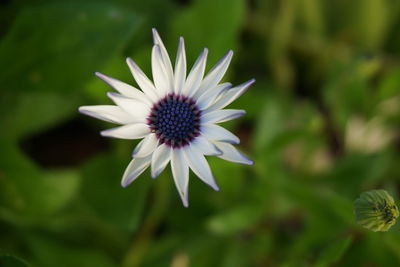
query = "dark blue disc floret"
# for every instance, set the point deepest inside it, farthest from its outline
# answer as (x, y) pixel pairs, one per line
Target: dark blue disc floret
(175, 120)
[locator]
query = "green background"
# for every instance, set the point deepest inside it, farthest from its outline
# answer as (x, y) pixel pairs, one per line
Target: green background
(322, 126)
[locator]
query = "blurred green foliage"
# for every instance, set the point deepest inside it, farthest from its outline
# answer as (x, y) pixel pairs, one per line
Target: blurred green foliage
(322, 126)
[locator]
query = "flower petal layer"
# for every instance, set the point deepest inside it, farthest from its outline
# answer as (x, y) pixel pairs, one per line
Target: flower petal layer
(160, 159)
(230, 153)
(124, 88)
(230, 95)
(135, 168)
(180, 67)
(146, 146)
(218, 116)
(107, 113)
(180, 172)
(128, 131)
(218, 133)
(200, 167)
(196, 74)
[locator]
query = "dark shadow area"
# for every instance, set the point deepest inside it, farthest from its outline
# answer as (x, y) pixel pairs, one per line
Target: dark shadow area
(66, 145)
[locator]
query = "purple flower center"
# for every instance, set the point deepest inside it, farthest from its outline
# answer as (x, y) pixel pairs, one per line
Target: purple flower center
(175, 120)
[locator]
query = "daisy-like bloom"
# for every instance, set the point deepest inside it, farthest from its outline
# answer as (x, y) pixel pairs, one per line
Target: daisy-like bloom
(176, 115)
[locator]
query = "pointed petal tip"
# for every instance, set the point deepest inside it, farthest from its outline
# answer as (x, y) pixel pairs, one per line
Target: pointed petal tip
(246, 84)
(251, 81)
(104, 133)
(130, 61)
(132, 64)
(156, 36)
(248, 160)
(184, 198)
(85, 110)
(82, 109)
(101, 76)
(215, 186)
(113, 95)
(228, 55)
(124, 184)
(155, 174)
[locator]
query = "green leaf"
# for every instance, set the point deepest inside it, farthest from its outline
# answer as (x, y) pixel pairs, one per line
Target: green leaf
(236, 219)
(114, 204)
(49, 55)
(212, 24)
(30, 192)
(334, 252)
(269, 125)
(59, 46)
(26, 113)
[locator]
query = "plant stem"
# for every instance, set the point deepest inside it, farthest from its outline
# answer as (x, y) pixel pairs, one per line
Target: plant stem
(140, 244)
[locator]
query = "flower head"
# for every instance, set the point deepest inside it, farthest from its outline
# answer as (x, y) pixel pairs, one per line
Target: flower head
(176, 115)
(376, 210)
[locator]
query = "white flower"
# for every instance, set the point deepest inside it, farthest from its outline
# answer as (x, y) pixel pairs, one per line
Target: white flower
(176, 116)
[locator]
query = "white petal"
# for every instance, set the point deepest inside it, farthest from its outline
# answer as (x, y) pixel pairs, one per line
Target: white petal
(180, 67)
(124, 88)
(196, 74)
(218, 116)
(135, 108)
(218, 133)
(146, 146)
(180, 171)
(160, 159)
(205, 146)
(107, 113)
(230, 95)
(164, 54)
(215, 75)
(144, 83)
(208, 98)
(160, 75)
(136, 167)
(200, 167)
(230, 153)
(129, 131)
